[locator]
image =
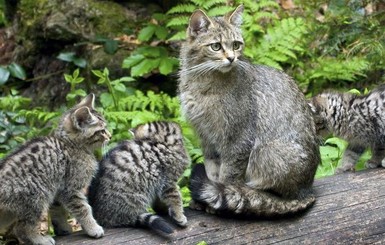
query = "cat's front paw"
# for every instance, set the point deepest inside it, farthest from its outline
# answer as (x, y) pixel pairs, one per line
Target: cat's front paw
(96, 231)
(181, 221)
(371, 164)
(42, 240)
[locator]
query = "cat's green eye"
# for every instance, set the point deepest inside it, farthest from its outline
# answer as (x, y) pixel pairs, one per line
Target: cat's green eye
(216, 46)
(236, 45)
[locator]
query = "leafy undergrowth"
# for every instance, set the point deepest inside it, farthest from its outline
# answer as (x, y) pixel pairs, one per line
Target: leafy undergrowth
(331, 155)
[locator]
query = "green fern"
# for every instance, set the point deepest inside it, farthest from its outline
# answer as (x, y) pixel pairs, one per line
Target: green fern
(182, 8)
(280, 44)
(13, 103)
(333, 69)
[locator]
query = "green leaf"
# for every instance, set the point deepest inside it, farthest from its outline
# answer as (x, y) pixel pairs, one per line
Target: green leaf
(111, 46)
(127, 79)
(80, 62)
(340, 143)
(78, 80)
(181, 35)
(132, 60)
(152, 52)
(182, 8)
(146, 33)
(144, 67)
(106, 100)
(166, 66)
(4, 75)
(161, 32)
(68, 56)
(120, 87)
(17, 71)
(178, 21)
(76, 73)
(98, 73)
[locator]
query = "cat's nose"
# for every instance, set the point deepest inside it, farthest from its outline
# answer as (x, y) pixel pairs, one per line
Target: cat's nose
(231, 58)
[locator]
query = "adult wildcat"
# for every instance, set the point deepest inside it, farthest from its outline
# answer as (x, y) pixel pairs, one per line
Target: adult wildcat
(53, 168)
(256, 130)
(357, 119)
(136, 174)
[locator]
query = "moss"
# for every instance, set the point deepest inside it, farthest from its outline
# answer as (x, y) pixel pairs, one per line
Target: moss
(31, 14)
(113, 18)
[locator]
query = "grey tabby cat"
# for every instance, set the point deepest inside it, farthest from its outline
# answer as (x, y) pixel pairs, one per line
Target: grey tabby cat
(51, 169)
(138, 173)
(357, 119)
(256, 129)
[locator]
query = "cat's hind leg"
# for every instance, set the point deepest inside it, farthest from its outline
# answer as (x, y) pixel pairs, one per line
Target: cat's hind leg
(350, 157)
(6, 220)
(172, 198)
(280, 167)
(25, 229)
(59, 217)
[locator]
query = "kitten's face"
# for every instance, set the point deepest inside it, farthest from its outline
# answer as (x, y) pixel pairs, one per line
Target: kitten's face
(168, 132)
(216, 43)
(83, 124)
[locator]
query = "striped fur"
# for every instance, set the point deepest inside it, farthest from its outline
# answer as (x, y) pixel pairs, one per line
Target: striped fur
(53, 168)
(255, 126)
(358, 119)
(137, 173)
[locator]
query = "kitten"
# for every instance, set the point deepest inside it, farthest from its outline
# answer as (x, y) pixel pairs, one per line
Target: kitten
(136, 173)
(360, 120)
(51, 169)
(256, 130)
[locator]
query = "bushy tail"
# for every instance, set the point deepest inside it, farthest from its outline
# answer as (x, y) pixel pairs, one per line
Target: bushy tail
(155, 223)
(239, 199)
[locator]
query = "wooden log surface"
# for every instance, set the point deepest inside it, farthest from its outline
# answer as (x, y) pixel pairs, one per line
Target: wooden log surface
(350, 209)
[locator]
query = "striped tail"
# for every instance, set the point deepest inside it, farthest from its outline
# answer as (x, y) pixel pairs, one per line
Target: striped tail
(238, 199)
(155, 222)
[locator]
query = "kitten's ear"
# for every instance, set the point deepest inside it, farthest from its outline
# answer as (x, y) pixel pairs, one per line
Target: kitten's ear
(313, 109)
(132, 132)
(88, 101)
(199, 23)
(81, 117)
(235, 17)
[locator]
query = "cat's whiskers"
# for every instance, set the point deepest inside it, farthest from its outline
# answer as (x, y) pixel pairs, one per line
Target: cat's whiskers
(202, 69)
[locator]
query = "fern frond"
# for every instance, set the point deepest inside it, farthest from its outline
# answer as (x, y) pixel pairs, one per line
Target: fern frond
(178, 21)
(280, 43)
(208, 4)
(38, 114)
(333, 69)
(180, 35)
(220, 10)
(268, 3)
(182, 9)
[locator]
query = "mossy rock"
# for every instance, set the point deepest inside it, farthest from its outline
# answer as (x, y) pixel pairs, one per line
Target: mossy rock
(72, 19)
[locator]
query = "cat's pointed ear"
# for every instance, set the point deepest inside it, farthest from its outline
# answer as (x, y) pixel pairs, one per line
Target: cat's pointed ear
(199, 23)
(235, 17)
(312, 107)
(88, 101)
(81, 117)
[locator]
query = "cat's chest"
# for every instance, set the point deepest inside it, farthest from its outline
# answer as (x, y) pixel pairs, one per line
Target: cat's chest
(199, 106)
(80, 168)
